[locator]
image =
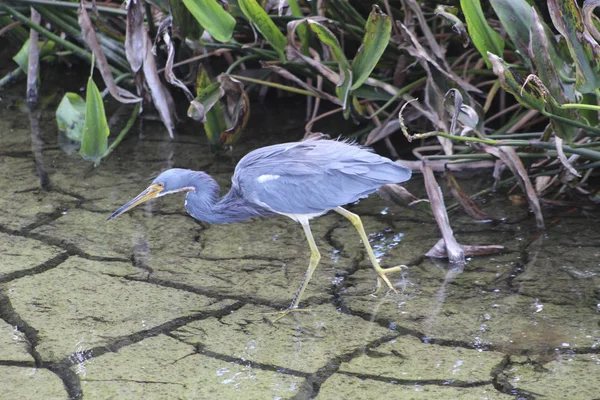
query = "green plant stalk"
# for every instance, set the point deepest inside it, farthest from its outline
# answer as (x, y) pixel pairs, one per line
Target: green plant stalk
(581, 106)
(109, 10)
(271, 55)
(112, 55)
(587, 145)
(240, 61)
(78, 51)
(592, 131)
(532, 135)
(586, 153)
(483, 157)
(275, 85)
(127, 128)
(12, 75)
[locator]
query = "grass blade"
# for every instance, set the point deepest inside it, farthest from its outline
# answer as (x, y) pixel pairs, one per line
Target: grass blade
(213, 115)
(483, 36)
(345, 77)
(375, 41)
(95, 129)
(212, 17)
(584, 50)
(265, 25)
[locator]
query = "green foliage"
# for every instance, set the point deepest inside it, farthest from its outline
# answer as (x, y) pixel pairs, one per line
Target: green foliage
(208, 94)
(22, 57)
(367, 63)
(211, 16)
(584, 49)
(345, 76)
(70, 116)
(261, 20)
(483, 36)
(377, 36)
(95, 128)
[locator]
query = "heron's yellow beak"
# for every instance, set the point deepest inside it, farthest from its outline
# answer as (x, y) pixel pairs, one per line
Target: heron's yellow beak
(152, 192)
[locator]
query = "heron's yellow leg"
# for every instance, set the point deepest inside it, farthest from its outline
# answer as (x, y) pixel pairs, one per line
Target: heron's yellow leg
(315, 257)
(381, 272)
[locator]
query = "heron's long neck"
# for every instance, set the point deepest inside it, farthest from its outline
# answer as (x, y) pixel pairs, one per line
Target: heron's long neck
(204, 204)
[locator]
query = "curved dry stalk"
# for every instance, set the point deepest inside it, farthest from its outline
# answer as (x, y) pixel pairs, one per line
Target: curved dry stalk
(89, 35)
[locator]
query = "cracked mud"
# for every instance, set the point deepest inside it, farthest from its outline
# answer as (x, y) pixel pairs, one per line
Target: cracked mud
(155, 305)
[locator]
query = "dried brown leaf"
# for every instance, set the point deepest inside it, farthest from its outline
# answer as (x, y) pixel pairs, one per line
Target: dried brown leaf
(135, 38)
(563, 158)
(89, 35)
(509, 156)
(397, 194)
(169, 74)
(463, 199)
(454, 251)
(419, 52)
(160, 95)
(439, 250)
(238, 108)
(33, 60)
(293, 52)
(382, 131)
(288, 75)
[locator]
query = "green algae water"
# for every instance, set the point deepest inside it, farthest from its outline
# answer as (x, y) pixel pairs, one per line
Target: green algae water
(156, 305)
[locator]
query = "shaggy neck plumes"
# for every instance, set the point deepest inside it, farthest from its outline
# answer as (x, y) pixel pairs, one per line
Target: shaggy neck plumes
(204, 204)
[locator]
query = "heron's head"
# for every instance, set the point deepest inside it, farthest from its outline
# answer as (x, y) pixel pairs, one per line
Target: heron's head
(170, 181)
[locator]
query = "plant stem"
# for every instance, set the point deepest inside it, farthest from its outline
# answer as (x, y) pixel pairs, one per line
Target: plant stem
(78, 51)
(240, 61)
(68, 4)
(127, 128)
(275, 85)
(12, 75)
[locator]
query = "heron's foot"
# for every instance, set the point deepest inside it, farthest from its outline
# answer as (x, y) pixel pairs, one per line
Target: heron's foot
(382, 272)
(280, 314)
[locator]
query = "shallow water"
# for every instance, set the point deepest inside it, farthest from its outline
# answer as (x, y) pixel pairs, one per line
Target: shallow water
(155, 305)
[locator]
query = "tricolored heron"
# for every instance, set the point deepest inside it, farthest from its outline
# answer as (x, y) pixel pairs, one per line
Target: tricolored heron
(301, 180)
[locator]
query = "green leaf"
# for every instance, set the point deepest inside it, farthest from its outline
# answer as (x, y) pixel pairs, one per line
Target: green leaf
(529, 95)
(205, 100)
(265, 25)
(95, 129)
(515, 16)
(540, 55)
(212, 17)
(584, 50)
(184, 20)
(215, 121)
(70, 116)
(329, 39)
(22, 57)
(375, 41)
(238, 109)
(302, 29)
(483, 36)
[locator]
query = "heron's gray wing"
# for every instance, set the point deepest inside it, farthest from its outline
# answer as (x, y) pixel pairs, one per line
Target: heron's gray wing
(312, 177)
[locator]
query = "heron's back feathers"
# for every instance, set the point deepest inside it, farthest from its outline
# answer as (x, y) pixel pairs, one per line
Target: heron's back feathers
(313, 176)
